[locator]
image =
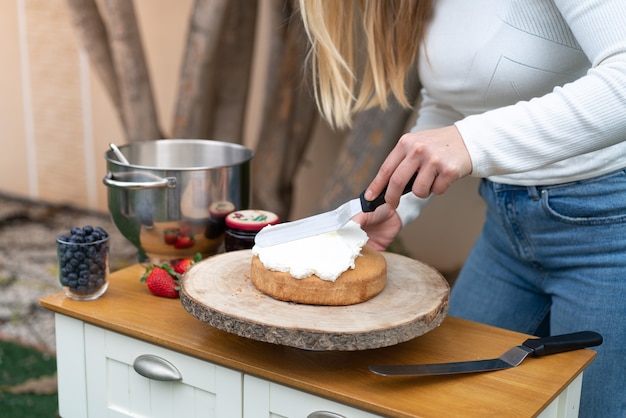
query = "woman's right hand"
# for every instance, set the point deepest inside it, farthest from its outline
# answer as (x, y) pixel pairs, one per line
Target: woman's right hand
(381, 226)
(439, 157)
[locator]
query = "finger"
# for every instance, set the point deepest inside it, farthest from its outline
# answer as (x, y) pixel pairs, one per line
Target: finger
(381, 214)
(440, 188)
(376, 187)
(399, 181)
(366, 219)
(360, 218)
(376, 246)
(443, 182)
(446, 175)
(386, 170)
(423, 184)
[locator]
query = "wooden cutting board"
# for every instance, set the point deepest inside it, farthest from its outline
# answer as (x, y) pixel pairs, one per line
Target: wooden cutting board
(415, 300)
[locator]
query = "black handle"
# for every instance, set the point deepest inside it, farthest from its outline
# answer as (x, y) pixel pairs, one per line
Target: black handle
(562, 343)
(371, 205)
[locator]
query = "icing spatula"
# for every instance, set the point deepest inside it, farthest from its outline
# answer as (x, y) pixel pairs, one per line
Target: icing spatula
(512, 358)
(323, 222)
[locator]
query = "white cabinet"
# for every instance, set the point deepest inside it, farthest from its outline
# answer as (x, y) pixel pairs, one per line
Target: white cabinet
(266, 399)
(98, 378)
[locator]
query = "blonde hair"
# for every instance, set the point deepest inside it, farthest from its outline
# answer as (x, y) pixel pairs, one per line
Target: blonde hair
(361, 52)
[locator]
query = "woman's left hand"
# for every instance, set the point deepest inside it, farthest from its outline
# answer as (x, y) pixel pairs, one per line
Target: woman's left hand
(381, 226)
(439, 156)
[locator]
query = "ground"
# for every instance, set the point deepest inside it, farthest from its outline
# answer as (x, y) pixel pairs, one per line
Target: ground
(28, 264)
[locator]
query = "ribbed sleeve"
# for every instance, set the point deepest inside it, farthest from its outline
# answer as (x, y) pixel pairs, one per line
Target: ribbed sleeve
(572, 131)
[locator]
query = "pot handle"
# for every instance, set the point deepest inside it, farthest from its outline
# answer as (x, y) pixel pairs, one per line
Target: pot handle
(158, 183)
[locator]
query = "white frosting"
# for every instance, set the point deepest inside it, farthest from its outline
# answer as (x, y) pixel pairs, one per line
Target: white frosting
(325, 255)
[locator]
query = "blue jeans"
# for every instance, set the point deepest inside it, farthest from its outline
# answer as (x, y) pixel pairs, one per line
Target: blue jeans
(556, 256)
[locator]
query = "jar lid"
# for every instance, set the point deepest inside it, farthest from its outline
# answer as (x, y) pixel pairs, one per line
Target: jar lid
(251, 219)
(221, 208)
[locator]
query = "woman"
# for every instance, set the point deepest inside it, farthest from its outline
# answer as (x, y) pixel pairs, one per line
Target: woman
(530, 96)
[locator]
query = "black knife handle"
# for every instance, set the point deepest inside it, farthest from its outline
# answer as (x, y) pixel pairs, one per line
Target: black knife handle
(371, 205)
(562, 343)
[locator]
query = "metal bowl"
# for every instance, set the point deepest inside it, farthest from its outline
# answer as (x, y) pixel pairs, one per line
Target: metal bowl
(171, 199)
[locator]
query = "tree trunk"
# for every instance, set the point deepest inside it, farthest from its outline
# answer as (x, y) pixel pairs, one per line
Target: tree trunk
(213, 91)
(289, 115)
(199, 69)
(95, 41)
(132, 72)
(226, 112)
(373, 136)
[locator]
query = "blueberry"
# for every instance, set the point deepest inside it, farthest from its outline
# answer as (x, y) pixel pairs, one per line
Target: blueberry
(77, 239)
(102, 232)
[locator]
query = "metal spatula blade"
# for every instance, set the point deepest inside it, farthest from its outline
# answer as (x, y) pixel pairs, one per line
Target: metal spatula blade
(512, 358)
(313, 225)
(324, 222)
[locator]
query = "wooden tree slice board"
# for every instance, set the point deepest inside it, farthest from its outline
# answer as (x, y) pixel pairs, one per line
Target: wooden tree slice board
(415, 300)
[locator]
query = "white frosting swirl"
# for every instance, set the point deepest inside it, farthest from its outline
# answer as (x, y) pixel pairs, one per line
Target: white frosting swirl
(325, 255)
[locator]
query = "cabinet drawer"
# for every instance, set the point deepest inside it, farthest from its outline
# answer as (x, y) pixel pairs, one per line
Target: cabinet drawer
(116, 389)
(266, 399)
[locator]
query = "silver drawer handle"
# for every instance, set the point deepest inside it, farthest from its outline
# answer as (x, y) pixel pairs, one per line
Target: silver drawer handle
(324, 414)
(156, 368)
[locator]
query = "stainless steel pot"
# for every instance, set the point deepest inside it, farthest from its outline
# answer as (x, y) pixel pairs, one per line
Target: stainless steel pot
(171, 199)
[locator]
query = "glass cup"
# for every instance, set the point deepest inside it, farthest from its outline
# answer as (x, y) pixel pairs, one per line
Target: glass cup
(83, 268)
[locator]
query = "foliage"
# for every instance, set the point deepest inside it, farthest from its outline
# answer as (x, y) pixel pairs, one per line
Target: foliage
(19, 365)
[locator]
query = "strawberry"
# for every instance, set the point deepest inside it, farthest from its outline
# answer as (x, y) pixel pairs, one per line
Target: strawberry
(170, 236)
(162, 280)
(181, 266)
(184, 230)
(183, 242)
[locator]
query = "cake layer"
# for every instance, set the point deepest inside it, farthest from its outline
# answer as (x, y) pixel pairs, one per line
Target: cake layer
(357, 285)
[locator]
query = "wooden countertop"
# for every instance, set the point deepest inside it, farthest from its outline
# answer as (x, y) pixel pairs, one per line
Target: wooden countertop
(130, 309)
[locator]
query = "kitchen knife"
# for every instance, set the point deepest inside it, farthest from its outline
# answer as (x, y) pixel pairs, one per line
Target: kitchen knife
(512, 358)
(323, 222)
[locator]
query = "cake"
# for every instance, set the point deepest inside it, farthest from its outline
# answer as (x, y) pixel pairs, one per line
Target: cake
(334, 268)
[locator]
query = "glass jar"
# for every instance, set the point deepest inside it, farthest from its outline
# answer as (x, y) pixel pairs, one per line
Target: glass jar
(243, 225)
(216, 224)
(83, 267)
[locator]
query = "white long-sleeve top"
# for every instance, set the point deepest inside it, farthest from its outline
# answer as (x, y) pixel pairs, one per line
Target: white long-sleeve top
(537, 88)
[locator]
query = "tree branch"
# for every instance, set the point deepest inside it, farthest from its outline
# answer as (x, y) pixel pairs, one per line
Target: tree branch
(92, 35)
(132, 72)
(289, 116)
(197, 79)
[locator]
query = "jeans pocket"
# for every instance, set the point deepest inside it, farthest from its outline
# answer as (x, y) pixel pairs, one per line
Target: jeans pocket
(597, 201)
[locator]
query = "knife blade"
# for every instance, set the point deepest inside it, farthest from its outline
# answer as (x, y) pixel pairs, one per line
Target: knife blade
(323, 222)
(511, 358)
